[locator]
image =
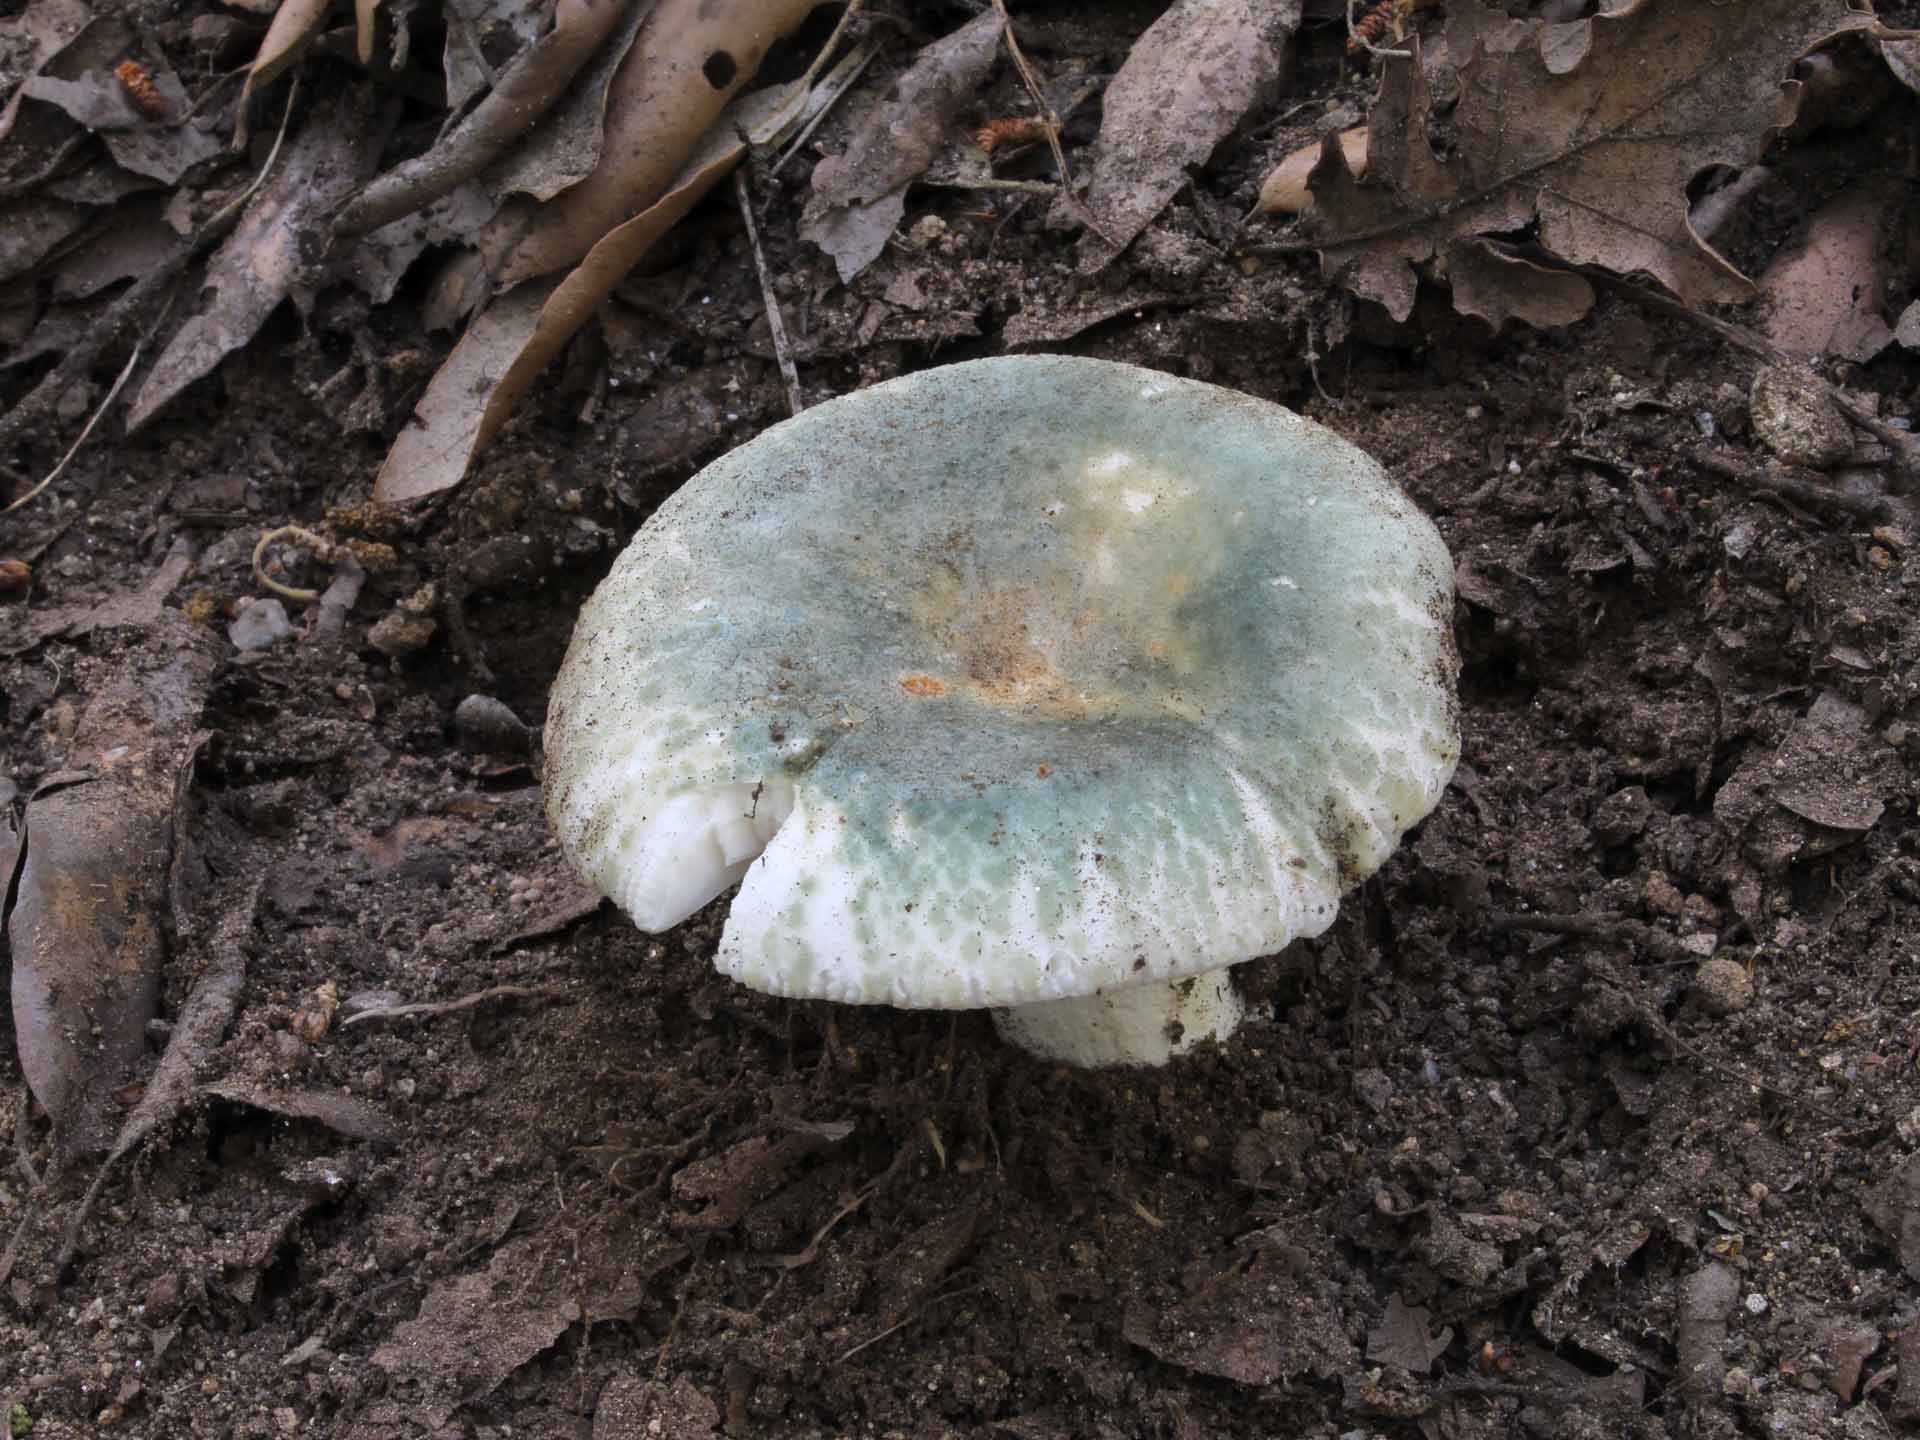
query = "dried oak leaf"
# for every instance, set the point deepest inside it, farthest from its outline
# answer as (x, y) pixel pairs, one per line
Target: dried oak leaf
(1591, 129)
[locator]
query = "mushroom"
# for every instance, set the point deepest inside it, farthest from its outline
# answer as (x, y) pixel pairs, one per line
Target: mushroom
(1044, 684)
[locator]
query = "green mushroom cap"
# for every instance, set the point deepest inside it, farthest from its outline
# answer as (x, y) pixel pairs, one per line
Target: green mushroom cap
(1010, 681)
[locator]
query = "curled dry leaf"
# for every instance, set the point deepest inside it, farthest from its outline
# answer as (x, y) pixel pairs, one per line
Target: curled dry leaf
(692, 58)
(1187, 82)
(366, 19)
(525, 91)
(294, 25)
(85, 929)
(860, 194)
(255, 269)
(1590, 130)
(1284, 192)
(510, 341)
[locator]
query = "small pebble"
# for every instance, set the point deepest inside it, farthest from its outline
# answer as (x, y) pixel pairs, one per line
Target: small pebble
(260, 623)
(1723, 987)
(483, 723)
(1795, 417)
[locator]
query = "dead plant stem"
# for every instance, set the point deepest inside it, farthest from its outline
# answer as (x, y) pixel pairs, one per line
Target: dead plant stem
(796, 402)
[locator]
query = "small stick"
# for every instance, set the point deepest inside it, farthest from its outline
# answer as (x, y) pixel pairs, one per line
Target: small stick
(447, 1007)
(796, 402)
(1774, 480)
(1018, 187)
(1899, 443)
(1032, 82)
(101, 409)
(23, 1146)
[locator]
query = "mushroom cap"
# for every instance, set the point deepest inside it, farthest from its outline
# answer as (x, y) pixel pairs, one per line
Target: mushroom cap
(1036, 676)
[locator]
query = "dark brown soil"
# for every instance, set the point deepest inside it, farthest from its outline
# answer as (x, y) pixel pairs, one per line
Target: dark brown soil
(1492, 1158)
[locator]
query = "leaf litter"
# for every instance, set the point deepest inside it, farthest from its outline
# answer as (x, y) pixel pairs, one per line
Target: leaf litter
(1590, 129)
(1016, 1286)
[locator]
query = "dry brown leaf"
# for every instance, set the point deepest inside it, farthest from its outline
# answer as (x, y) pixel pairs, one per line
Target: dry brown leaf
(257, 266)
(1827, 293)
(510, 341)
(1591, 130)
(294, 25)
(525, 91)
(477, 29)
(692, 58)
(1186, 83)
(860, 194)
(136, 242)
(366, 15)
(35, 36)
(1284, 192)
(85, 930)
(1498, 287)
(564, 147)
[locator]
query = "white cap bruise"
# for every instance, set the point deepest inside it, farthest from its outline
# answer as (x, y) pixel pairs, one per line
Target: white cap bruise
(1038, 683)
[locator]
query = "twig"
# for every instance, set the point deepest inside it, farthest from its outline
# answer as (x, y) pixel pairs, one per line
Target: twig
(23, 1145)
(99, 410)
(1775, 480)
(796, 402)
(320, 545)
(1032, 82)
(841, 83)
(1018, 187)
(896, 1328)
(447, 1007)
(1898, 443)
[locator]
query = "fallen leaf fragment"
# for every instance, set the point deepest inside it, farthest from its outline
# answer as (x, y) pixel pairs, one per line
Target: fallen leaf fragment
(294, 26)
(34, 37)
(1590, 130)
(475, 1330)
(1826, 294)
(510, 341)
(258, 264)
(524, 92)
(566, 145)
(691, 59)
(1188, 81)
(1405, 1337)
(366, 14)
(1284, 192)
(1260, 1318)
(477, 29)
(859, 195)
(1498, 286)
(84, 929)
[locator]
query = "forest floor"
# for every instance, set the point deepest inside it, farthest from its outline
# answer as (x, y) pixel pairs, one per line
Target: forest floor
(1595, 1114)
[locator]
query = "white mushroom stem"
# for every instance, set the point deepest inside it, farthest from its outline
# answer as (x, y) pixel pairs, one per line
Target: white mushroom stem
(1140, 1025)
